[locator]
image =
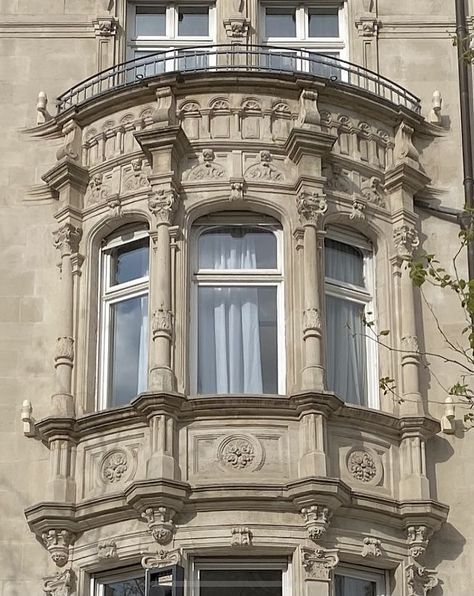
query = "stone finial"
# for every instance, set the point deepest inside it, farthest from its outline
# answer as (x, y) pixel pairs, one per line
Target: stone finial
(160, 523)
(316, 519)
(436, 104)
(241, 536)
(372, 547)
(60, 584)
(311, 207)
(448, 421)
(318, 563)
(42, 109)
(57, 542)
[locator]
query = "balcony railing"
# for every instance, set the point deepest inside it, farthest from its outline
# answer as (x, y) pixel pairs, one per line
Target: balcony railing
(237, 58)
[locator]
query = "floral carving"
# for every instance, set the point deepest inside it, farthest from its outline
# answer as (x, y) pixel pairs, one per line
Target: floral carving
(57, 543)
(406, 240)
(207, 170)
(316, 519)
(240, 452)
(371, 547)
(319, 563)
(160, 523)
(265, 170)
(357, 209)
(162, 323)
(60, 584)
(311, 207)
(241, 536)
(311, 321)
(64, 349)
(107, 549)
(136, 178)
(114, 466)
(67, 238)
(161, 558)
(361, 466)
(96, 190)
(419, 579)
(163, 205)
(417, 539)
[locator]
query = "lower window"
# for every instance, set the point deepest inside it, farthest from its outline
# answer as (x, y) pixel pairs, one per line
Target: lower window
(243, 578)
(119, 583)
(359, 582)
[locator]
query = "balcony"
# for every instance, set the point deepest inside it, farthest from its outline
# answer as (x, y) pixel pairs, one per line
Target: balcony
(239, 59)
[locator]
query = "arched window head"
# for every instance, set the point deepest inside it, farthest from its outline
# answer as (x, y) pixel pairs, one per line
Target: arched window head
(123, 337)
(351, 360)
(238, 345)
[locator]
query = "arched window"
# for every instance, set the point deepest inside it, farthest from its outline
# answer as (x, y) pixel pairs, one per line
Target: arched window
(351, 365)
(123, 340)
(238, 314)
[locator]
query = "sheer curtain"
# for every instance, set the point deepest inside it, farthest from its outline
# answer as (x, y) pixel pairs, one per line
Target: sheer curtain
(346, 357)
(350, 586)
(229, 358)
(142, 384)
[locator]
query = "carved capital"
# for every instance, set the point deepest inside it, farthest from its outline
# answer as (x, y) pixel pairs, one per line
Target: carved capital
(316, 519)
(162, 323)
(160, 523)
(237, 27)
(105, 26)
(409, 346)
(319, 563)
(66, 239)
(371, 548)
(161, 558)
(406, 240)
(241, 536)
(367, 27)
(311, 207)
(163, 205)
(419, 579)
(60, 584)
(311, 322)
(64, 351)
(417, 540)
(57, 542)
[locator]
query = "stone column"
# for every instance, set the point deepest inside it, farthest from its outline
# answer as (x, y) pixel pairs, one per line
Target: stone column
(311, 206)
(368, 27)
(318, 564)
(105, 29)
(162, 204)
(313, 461)
(66, 240)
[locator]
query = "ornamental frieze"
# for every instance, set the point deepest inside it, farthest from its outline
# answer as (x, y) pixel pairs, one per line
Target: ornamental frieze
(264, 171)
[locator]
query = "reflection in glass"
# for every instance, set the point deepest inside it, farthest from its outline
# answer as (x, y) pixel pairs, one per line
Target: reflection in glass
(129, 261)
(193, 21)
(129, 349)
(351, 586)
(323, 22)
(237, 346)
(280, 22)
(131, 587)
(150, 21)
(240, 582)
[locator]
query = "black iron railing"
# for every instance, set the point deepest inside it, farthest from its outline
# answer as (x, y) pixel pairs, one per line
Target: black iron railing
(232, 58)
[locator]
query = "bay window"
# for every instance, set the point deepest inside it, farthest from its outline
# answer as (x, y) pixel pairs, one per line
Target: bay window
(351, 363)
(238, 328)
(123, 340)
(352, 581)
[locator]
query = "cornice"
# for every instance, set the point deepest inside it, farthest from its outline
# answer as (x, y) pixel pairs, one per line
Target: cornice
(66, 172)
(303, 141)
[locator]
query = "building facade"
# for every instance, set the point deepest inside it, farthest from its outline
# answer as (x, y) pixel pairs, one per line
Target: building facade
(203, 282)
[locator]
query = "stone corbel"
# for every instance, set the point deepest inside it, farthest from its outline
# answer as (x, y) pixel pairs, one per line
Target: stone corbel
(367, 26)
(317, 519)
(105, 26)
(57, 542)
(404, 150)
(160, 523)
(60, 584)
(309, 116)
(72, 144)
(165, 111)
(237, 28)
(237, 188)
(162, 558)
(418, 537)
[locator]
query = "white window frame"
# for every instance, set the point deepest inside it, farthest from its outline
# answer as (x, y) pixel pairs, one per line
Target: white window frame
(239, 278)
(108, 296)
(284, 565)
(353, 293)
(98, 582)
(171, 40)
(379, 577)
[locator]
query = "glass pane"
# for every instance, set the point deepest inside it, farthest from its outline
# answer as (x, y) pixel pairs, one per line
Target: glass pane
(237, 340)
(131, 587)
(237, 247)
(129, 261)
(146, 66)
(325, 66)
(240, 582)
(280, 22)
(192, 60)
(193, 21)
(346, 352)
(344, 263)
(351, 586)
(323, 22)
(129, 350)
(280, 61)
(150, 21)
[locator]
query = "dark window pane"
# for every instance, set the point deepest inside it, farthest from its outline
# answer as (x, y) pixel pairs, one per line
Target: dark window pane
(129, 350)
(129, 261)
(344, 262)
(351, 586)
(280, 22)
(193, 21)
(150, 21)
(240, 582)
(323, 22)
(131, 587)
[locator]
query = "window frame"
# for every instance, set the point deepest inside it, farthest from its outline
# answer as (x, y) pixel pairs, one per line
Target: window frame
(110, 295)
(357, 294)
(380, 577)
(235, 277)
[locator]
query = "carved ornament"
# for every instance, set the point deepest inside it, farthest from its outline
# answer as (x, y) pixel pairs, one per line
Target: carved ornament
(64, 350)
(105, 27)
(311, 320)
(161, 558)
(60, 584)
(406, 240)
(419, 579)
(336, 178)
(237, 27)
(207, 169)
(417, 540)
(316, 519)
(409, 345)
(136, 178)
(239, 453)
(57, 543)
(264, 171)
(241, 536)
(160, 523)
(357, 209)
(311, 207)
(236, 191)
(361, 466)
(162, 322)
(107, 550)
(319, 563)
(114, 465)
(367, 27)
(371, 547)
(163, 205)
(96, 191)
(67, 238)
(372, 191)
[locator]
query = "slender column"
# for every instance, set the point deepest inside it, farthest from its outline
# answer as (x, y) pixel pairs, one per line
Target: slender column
(66, 240)
(313, 460)
(406, 241)
(311, 207)
(62, 483)
(162, 204)
(162, 462)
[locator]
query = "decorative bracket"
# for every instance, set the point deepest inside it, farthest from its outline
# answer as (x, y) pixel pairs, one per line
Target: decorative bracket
(318, 564)
(57, 542)
(316, 519)
(160, 523)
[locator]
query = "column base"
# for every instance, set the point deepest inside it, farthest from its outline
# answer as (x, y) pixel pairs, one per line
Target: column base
(63, 405)
(312, 377)
(162, 466)
(162, 379)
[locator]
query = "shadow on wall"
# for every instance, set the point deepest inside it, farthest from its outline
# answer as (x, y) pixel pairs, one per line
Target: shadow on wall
(438, 450)
(446, 545)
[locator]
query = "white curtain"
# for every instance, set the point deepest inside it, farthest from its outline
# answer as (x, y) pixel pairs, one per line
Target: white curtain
(228, 324)
(350, 586)
(142, 381)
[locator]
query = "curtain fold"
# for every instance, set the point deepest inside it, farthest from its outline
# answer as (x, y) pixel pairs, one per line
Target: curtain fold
(142, 383)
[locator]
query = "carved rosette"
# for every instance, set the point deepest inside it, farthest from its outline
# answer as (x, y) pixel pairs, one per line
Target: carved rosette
(406, 240)
(162, 323)
(57, 542)
(372, 547)
(163, 205)
(64, 353)
(107, 550)
(114, 465)
(362, 466)
(161, 558)
(311, 207)
(417, 540)
(316, 519)
(60, 584)
(241, 536)
(160, 523)
(240, 453)
(419, 579)
(66, 239)
(318, 563)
